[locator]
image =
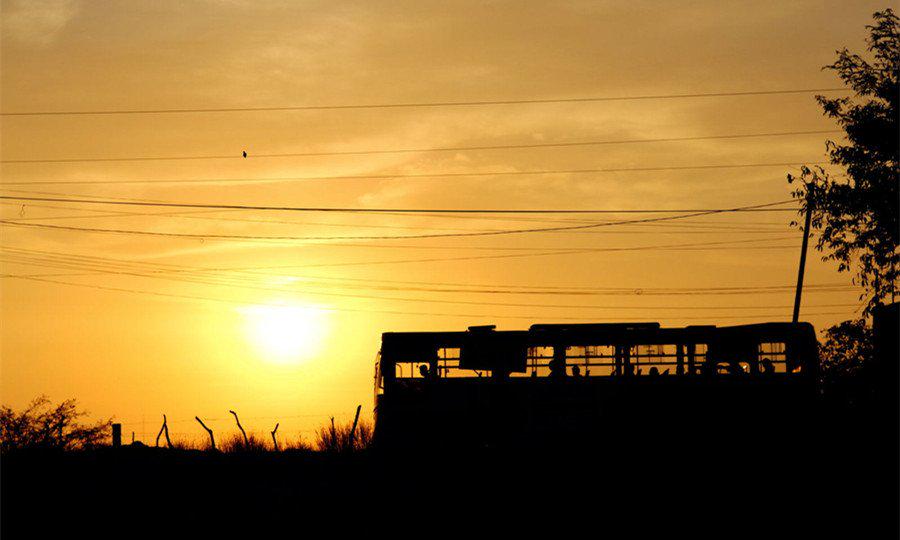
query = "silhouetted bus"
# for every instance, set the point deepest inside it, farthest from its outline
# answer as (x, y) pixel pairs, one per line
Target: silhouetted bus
(590, 381)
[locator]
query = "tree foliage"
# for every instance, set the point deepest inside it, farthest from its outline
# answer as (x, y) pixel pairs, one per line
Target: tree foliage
(843, 356)
(44, 425)
(857, 216)
(846, 349)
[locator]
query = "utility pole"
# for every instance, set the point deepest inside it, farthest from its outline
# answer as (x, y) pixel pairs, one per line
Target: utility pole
(800, 272)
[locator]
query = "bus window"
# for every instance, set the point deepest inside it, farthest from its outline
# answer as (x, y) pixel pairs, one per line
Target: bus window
(601, 360)
(772, 358)
(448, 364)
(538, 361)
(696, 357)
(655, 358)
(413, 370)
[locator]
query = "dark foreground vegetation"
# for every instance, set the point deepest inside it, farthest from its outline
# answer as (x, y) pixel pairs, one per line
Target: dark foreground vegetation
(818, 481)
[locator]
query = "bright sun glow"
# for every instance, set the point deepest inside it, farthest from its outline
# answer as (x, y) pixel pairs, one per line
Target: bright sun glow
(285, 334)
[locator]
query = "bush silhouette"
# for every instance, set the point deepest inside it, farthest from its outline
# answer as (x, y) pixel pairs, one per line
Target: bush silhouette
(43, 425)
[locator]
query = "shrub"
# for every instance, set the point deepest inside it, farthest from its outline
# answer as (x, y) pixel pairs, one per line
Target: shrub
(43, 425)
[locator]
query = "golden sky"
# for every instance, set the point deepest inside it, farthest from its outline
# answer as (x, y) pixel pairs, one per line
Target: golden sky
(139, 325)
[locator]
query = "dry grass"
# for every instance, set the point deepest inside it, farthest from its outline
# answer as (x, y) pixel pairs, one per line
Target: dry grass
(324, 440)
(336, 437)
(235, 443)
(297, 445)
(186, 444)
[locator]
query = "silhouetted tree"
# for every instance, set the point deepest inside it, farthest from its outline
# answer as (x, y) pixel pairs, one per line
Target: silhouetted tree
(847, 347)
(844, 357)
(43, 425)
(858, 215)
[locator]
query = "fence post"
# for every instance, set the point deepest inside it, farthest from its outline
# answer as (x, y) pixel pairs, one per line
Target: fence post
(166, 428)
(240, 427)
(116, 435)
(353, 429)
(212, 440)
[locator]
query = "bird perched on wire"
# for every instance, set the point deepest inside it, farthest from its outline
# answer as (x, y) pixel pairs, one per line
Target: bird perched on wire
(245, 153)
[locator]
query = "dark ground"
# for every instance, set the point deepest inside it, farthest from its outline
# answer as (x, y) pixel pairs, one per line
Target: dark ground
(839, 480)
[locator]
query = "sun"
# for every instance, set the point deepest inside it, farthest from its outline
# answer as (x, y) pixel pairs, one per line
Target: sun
(285, 334)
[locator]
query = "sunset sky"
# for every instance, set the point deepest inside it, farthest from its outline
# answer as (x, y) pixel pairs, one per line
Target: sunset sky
(286, 330)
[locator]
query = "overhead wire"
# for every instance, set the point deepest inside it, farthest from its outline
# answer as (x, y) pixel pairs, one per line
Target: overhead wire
(767, 207)
(392, 312)
(422, 103)
(255, 271)
(561, 144)
(69, 264)
(384, 176)
(220, 236)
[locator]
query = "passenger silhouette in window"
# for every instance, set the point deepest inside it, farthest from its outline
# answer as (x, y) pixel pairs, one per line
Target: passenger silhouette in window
(558, 363)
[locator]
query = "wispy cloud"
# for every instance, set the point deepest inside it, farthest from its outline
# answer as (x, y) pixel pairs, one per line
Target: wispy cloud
(37, 22)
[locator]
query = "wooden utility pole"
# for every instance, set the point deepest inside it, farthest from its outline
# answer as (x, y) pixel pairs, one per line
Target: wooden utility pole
(802, 268)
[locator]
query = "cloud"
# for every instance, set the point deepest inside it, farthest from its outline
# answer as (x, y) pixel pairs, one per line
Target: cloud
(37, 22)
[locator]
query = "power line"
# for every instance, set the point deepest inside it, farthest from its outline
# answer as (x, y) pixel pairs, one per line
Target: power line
(550, 250)
(99, 214)
(462, 302)
(422, 104)
(100, 199)
(419, 175)
(202, 236)
(253, 271)
(758, 208)
(411, 236)
(694, 227)
(469, 287)
(553, 289)
(580, 251)
(391, 312)
(419, 150)
(682, 224)
(90, 269)
(359, 296)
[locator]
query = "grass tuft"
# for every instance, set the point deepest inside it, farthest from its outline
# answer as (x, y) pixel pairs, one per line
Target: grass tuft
(336, 437)
(235, 444)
